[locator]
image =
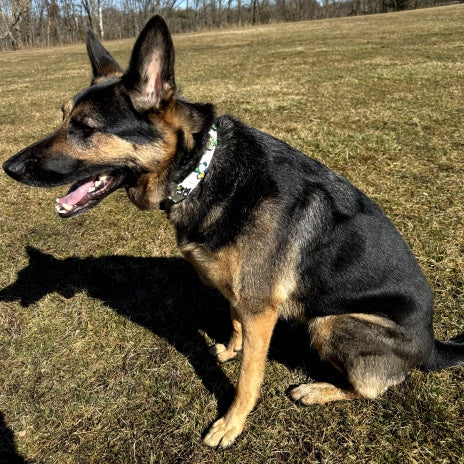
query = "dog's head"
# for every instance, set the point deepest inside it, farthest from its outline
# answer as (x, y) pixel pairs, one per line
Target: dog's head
(127, 129)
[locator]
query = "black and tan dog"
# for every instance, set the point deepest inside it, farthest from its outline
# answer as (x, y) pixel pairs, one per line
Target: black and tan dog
(279, 234)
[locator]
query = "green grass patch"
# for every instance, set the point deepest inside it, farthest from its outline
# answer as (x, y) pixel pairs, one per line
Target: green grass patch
(104, 329)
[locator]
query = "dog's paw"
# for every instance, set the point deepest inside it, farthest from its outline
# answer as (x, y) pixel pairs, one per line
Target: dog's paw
(222, 353)
(320, 393)
(223, 433)
(304, 394)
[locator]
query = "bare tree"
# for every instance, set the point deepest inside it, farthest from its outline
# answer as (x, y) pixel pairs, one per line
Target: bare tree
(12, 12)
(25, 23)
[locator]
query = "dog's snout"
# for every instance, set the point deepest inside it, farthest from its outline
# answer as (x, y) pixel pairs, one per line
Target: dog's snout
(14, 168)
(39, 166)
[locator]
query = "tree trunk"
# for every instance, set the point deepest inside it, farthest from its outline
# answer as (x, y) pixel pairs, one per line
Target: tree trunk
(100, 19)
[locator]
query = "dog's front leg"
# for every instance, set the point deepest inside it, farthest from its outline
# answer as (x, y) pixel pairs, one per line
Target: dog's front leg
(225, 353)
(257, 332)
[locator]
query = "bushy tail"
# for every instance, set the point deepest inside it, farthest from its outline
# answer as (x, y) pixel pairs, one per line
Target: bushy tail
(445, 354)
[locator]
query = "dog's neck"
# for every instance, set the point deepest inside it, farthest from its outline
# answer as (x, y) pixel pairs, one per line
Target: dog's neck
(191, 181)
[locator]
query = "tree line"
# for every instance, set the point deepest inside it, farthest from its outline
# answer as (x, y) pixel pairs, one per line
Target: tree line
(38, 23)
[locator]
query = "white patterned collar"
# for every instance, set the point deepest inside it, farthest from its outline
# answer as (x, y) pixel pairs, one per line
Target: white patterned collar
(194, 178)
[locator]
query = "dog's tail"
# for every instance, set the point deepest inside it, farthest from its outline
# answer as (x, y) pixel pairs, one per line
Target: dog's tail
(445, 354)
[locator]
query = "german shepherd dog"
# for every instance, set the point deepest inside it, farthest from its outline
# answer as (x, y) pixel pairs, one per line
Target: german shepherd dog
(276, 232)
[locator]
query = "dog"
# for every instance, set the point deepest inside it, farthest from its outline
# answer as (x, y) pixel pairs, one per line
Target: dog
(275, 231)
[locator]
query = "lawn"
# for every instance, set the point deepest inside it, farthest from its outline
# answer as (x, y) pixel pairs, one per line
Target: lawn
(104, 328)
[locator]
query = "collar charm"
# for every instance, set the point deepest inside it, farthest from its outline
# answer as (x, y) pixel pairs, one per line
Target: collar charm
(194, 178)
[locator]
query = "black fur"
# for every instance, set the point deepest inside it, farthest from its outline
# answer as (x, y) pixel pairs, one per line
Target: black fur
(355, 261)
(103, 64)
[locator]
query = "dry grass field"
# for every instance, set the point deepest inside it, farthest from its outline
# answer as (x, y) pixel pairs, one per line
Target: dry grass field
(104, 329)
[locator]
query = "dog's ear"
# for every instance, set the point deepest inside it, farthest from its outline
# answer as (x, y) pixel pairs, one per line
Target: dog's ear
(150, 77)
(103, 64)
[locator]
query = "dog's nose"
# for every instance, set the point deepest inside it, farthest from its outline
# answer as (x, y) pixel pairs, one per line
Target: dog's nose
(14, 168)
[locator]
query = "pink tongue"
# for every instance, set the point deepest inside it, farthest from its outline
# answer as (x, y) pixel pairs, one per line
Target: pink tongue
(75, 196)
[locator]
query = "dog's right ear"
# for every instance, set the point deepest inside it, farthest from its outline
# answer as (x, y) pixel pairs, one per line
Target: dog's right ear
(150, 77)
(103, 64)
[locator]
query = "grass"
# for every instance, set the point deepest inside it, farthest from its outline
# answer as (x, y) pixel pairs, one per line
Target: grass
(104, 329)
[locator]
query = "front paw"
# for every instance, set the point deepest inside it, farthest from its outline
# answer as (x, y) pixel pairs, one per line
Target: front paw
(222, 353)
(223, 433)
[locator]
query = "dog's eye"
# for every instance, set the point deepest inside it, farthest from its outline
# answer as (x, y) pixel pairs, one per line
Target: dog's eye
(83, 126)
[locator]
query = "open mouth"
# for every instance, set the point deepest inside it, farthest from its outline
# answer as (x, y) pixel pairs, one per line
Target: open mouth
(87, 193)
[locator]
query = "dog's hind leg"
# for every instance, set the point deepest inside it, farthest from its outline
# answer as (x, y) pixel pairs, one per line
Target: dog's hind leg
(372, 352)
(225, 353)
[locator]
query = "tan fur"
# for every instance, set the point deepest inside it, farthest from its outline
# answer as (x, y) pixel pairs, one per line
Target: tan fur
(320, 393)
(257, 331)
(67, 108)
(226, 353)
(153, 157)
(147, 193)
(377, 320)
(369, 374)
(372, 386)
(256, 301)
(174, 119)
(232, 269)
(219, 269)
(102, 147)
(321, 332)
(286, 284)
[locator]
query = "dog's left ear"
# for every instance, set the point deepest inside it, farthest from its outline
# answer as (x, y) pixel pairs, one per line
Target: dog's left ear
(150, 77)
(103, 64)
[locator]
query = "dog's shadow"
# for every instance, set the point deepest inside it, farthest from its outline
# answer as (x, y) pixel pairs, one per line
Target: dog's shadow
(162, 294)
(8, 452)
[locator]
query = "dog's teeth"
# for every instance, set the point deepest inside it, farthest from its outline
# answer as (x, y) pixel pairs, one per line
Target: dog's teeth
(67, 207)
(96, 184)
(91, 189)
(103, 178)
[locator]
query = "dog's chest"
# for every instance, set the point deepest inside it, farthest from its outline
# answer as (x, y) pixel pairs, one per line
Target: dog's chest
(227, 270)
(219, 269)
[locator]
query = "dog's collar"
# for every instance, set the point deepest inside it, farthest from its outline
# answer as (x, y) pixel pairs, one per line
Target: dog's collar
(194, 178)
